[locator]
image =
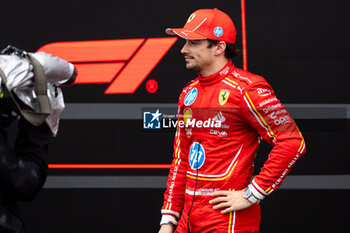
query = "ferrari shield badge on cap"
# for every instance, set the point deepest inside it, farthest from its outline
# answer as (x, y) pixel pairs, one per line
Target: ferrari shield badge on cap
(191, 17)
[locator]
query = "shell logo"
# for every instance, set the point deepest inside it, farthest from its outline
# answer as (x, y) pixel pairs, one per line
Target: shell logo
(187, 114)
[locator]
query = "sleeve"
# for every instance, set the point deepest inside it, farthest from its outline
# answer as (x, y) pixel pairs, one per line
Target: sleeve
(23, 170)
(270, 119)
(175, 193)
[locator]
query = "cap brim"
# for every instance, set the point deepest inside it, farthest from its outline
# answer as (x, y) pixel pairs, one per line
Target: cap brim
(185, 33)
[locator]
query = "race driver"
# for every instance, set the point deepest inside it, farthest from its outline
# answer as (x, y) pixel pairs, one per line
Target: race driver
(210, 186)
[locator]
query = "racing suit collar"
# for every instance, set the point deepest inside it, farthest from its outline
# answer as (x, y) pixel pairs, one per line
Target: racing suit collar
(211, 79)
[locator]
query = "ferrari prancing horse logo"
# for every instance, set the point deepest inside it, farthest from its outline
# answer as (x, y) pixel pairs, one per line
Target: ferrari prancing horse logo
(191, 18)
(223, 96)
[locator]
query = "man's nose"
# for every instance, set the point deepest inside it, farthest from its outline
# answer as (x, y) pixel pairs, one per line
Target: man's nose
(184, 49)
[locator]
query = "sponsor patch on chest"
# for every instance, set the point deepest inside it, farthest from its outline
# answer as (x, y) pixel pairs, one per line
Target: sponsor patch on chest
(191, 96)
(223, 96)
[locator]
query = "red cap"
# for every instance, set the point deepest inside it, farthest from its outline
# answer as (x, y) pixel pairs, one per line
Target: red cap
(207, 24)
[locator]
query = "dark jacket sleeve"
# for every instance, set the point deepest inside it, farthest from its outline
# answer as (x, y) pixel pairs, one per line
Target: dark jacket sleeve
(23, 170)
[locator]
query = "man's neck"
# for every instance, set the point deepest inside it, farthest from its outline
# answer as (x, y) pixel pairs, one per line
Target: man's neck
(214, 67)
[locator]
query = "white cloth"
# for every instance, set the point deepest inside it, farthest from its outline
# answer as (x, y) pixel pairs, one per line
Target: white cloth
(19, 79)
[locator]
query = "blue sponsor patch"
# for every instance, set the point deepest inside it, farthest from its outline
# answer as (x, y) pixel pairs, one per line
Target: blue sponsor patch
(191, 97)
(196, 156)
(151, 120)
(218, 31)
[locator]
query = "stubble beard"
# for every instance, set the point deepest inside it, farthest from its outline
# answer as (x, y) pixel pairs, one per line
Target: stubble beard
(191, 66)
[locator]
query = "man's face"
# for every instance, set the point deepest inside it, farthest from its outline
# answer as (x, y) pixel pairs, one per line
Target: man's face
(197, 54)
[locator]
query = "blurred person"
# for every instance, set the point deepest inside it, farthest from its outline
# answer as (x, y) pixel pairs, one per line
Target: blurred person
(210, 186)
(24, 166)
(23, 169)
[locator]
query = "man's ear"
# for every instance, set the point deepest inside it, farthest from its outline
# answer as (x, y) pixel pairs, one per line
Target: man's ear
(220, 48)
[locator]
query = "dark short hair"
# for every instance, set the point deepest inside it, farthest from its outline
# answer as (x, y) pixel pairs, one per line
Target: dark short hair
(230, 51)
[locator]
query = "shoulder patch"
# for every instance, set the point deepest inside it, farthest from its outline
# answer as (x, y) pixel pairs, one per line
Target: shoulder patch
(245, 78)
(189, 85)
(231, 81)
(192, 83)
(239, 76)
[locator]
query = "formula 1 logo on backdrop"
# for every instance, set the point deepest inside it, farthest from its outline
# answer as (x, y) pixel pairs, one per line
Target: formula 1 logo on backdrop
(124, 63)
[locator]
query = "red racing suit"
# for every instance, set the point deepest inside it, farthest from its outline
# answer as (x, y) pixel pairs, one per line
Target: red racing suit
(235, 109)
